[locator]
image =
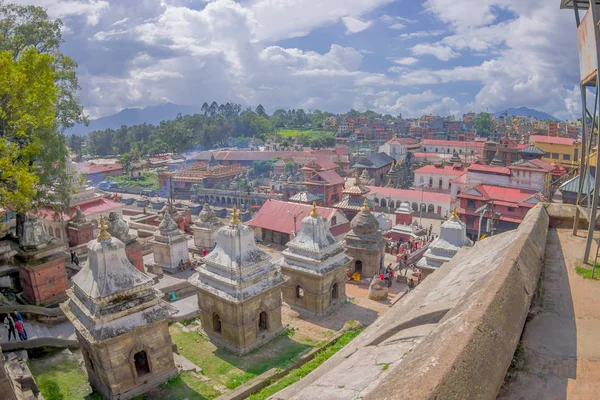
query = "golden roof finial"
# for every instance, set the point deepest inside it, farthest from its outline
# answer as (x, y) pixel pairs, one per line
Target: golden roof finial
(365, 205)
(103, 235)
(235, 220)
(454, 216)
(314, 212)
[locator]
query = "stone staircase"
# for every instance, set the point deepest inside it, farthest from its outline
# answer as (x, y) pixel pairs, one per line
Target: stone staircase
(39, 335)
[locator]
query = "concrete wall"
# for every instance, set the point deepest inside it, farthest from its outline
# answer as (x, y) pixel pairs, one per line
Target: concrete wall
(453, 337)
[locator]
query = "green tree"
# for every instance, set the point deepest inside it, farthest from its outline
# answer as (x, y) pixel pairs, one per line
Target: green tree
(25, 27)
(262, 167)
(483, 123)
(260, 110)
(28, 97)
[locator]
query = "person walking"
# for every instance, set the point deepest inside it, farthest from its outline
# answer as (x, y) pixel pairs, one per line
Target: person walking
(76, 260)
(21, 330)
(9, 324)
(386, 277)
(72, 257)
(204, 252)
(17, 316)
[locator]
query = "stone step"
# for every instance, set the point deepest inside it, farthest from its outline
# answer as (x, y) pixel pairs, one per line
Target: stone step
(33, 331)
(45, 331)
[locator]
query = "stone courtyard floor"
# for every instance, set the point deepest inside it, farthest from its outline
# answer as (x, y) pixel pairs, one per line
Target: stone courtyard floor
(559, 354)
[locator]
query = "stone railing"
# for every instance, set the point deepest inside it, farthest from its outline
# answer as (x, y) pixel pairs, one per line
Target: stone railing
(452, 337)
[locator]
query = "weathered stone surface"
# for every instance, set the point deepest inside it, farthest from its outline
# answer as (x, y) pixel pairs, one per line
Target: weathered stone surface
(239, 291)
(119, 318)
(315, 263)
(365, 244)
(377, 289)
(469, 313)
(170, 246)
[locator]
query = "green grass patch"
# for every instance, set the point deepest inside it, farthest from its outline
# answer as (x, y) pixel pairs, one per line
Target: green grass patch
(148, 181)
(586, 272)
(298, 373)
(186, 385)
(60, 379)
(232, 370)
(292, 133)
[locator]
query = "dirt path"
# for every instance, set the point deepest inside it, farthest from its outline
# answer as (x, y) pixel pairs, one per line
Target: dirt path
(560, 348)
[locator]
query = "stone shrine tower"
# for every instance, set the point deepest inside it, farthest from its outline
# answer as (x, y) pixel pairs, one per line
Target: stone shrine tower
(119, 229)
(41, 262)
(316, 265)
(205, 228)
(120, 321)
(453, 236)
(239, 290)
(404, 214)
(365, 243)
(170, 246)
(79, 229)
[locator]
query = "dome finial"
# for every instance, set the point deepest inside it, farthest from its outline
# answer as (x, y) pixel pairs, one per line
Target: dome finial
(314, 212)
(103, 235)
(235, 220)
(454, 216)
(366, 205)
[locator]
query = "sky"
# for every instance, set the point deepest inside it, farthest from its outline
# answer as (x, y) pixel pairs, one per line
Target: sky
(408, 57)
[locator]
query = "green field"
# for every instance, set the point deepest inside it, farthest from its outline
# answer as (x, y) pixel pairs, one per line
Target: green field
(148, 180)
(292, 133)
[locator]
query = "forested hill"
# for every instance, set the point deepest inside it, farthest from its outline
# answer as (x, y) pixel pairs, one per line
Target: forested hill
(215, 126)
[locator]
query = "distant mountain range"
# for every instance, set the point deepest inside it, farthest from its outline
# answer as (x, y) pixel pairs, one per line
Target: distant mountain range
(526, 112)
(134, 116)
(166, 111)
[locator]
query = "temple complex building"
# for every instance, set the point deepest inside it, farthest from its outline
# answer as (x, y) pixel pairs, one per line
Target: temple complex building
(205, 228)
(365, 243)
(41, 262)
(354, 198)
(453, 236)
(316, 265)
(120, 321)
(239, 291)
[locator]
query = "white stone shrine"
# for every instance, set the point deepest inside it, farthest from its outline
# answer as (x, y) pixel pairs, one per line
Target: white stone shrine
(316, 265)
(239, 290)
(205, 228)
(170, 246)
(453, 236)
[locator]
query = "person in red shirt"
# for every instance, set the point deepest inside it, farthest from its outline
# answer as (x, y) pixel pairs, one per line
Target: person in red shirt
(204, 252)
(21, 330)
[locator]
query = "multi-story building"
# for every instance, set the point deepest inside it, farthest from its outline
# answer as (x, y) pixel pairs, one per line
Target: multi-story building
(506, 149)
(377, 166)
(395, 148)
(557, 150)
(505, 206)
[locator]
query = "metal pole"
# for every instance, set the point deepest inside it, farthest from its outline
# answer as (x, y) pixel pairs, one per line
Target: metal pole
(421, 206)
(479, 230)
(592, 218)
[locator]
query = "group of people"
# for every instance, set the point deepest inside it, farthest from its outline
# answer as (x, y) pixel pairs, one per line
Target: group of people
(387, 275)
(14, 324)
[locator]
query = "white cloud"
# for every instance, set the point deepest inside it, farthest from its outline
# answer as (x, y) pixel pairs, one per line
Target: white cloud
(354, 25)
(91, 9)
(439, 51)
(420, 34)
(391, 19)
(397, 26)
(406, 60)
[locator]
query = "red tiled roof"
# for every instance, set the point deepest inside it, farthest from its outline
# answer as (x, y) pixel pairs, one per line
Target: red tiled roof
(502, 194)
(101, 205)
(273, 215)
(331, 177)
(552, 140)
(342, 151)
(457, 143)
(445, 170)
(91, 168)
(407, 194)
(488, 169)
(404, 141)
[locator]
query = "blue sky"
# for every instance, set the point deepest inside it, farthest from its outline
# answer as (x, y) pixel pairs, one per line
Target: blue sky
(404, 57)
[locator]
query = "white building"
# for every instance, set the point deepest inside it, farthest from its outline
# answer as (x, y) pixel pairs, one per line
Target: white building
(438, 177)
(391, 199)
(394, 148)
(465, 149)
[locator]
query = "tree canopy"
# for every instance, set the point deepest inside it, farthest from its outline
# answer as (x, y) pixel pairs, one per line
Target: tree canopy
(28, 98)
